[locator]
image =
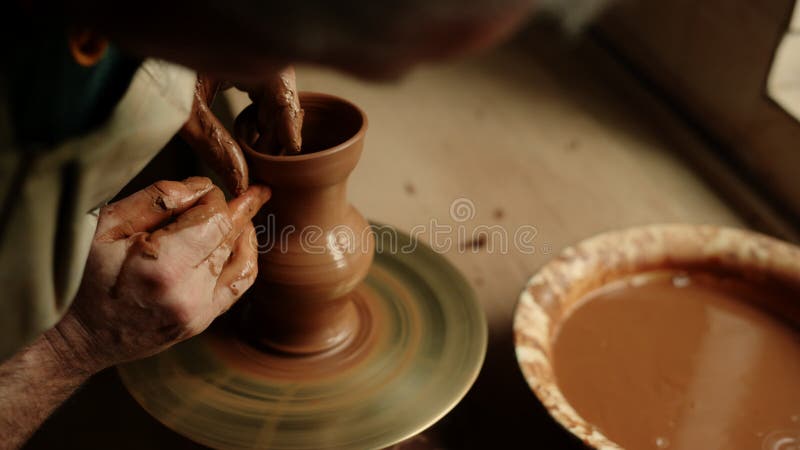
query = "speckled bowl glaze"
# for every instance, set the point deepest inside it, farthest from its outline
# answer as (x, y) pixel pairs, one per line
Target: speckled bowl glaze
(552, 294)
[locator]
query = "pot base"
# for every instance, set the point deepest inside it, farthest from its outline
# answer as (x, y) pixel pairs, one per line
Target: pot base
(326, 340)
(418, 348)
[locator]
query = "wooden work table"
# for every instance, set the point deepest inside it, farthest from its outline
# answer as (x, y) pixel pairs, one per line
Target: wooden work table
(533, 135)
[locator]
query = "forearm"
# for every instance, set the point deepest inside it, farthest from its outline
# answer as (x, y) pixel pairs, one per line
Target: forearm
(40, 377)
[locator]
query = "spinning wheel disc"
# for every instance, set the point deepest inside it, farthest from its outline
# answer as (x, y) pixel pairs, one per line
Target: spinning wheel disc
(419, 347)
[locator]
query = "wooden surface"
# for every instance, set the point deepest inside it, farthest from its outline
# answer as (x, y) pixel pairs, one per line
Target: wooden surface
(533, 135)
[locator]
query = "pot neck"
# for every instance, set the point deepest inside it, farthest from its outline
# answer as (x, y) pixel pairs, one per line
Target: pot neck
(321, 206)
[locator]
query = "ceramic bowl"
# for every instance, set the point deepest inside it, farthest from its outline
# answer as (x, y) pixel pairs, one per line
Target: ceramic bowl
(553, 292)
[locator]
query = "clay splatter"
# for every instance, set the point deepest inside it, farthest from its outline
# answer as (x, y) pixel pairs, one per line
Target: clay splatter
(476, 243)
(573, 145)
(498, 213)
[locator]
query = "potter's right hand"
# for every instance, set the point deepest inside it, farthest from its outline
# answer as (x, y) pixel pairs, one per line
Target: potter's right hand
(280, 117)
(148, 285)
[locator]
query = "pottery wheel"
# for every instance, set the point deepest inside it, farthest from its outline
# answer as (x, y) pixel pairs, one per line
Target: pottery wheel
(419, 347)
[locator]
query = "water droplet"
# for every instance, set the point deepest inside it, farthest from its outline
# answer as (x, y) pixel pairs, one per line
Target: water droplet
(681, 281)
(662, 442)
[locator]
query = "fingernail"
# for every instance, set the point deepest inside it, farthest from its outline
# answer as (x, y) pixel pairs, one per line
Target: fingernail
(198, 184)
(263, 193)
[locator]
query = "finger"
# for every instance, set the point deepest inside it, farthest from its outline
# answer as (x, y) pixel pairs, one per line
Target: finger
(207, 87)
(280, 118)
(196, 233)
(240, 271)
(292, 137)
(290, 115)
(241, 211)
(243, 208)
(150, 207)
(211, 142)
(200, 236)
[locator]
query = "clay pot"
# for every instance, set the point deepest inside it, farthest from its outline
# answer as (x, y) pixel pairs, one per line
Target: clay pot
(555, 291)
(314, 246)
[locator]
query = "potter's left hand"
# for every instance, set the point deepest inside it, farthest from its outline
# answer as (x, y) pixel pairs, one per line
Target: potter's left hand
(146, 286)
(149, 285)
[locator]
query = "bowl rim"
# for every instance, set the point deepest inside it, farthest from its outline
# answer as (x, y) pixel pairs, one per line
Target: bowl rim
(620, 253)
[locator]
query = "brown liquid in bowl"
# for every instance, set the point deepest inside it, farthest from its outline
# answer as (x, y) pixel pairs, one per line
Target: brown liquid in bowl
(683, 361)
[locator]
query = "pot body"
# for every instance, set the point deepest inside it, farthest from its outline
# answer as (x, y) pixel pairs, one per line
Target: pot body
(314, 247)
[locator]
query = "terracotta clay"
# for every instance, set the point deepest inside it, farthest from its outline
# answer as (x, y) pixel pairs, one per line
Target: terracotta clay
(312, 352)
(280, 117)
(315, 247)
(211, 141)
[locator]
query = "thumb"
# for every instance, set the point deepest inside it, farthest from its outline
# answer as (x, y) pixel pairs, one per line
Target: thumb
(150, 207)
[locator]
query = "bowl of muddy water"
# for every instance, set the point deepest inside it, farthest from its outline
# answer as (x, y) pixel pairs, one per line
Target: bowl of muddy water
(676, 337)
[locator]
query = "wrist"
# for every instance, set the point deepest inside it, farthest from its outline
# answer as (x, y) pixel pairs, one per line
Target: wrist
(70, 345)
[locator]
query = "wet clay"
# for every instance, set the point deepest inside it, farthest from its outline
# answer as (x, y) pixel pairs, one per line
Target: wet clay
(209, 139)
(315, 248)
(683, 361)
(279, 125)
(210, 208)
(279, 121)
(351, 355)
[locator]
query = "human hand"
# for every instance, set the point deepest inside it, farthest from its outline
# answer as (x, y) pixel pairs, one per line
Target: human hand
(280, 117)
(279, 123)
(211, 142)
(148, 285)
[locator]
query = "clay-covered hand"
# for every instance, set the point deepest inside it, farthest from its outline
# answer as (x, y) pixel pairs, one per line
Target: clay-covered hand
(280, 118)
(211, 142)
(148, 285)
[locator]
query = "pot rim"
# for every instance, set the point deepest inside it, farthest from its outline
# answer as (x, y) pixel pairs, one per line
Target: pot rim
(615, 254)
(243, 123)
